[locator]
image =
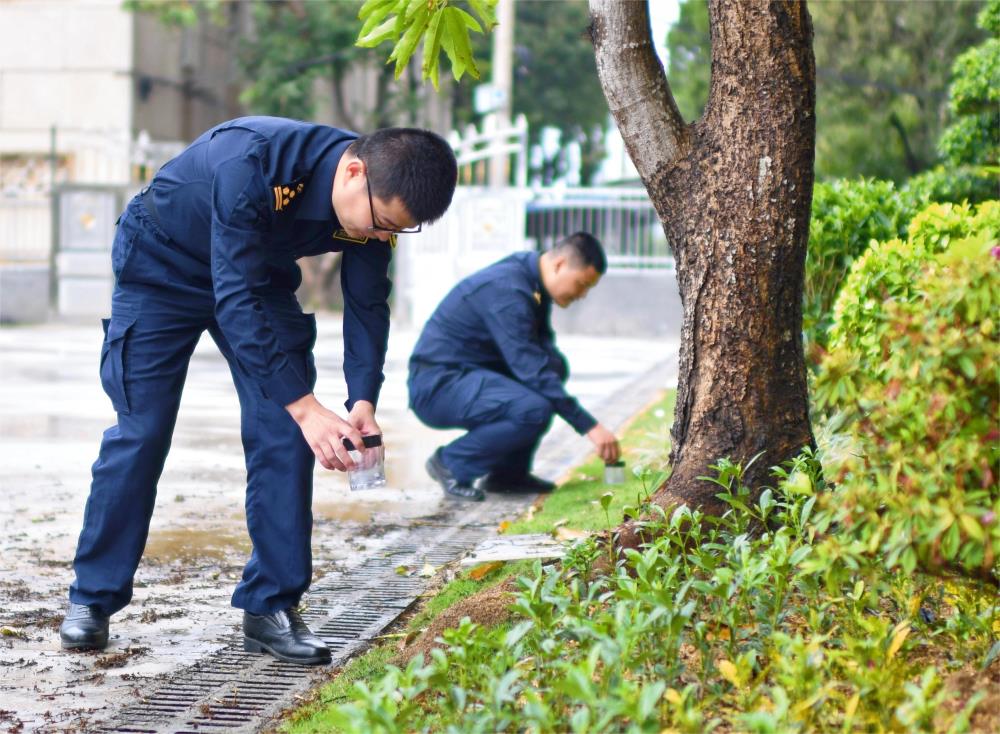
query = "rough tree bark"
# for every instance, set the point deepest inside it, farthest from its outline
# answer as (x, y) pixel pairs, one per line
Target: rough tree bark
(733, 191)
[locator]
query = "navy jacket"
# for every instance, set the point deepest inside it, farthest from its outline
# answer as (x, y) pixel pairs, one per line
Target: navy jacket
(244, 201)
(500, 319)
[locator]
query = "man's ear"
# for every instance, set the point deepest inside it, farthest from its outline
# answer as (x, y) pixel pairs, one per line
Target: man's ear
(559, 261)
(355, 168)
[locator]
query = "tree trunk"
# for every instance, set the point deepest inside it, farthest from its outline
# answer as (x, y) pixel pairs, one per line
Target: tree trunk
(733, 191)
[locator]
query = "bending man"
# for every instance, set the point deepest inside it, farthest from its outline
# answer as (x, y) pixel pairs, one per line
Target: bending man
(211, 246)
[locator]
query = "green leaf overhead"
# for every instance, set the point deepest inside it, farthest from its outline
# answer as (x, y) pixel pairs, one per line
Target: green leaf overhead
(440, 24)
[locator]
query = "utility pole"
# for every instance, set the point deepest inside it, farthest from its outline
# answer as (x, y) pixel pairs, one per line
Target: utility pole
(503, 82)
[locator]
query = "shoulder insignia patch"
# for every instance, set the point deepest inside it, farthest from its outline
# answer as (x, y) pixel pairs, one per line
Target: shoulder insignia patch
(283, 195)
(538, 297)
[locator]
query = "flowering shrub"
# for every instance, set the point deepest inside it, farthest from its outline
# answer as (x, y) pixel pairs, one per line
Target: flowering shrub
(914, 365)
(889, 273)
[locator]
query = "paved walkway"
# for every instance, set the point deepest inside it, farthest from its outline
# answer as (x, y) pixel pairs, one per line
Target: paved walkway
(52, 413)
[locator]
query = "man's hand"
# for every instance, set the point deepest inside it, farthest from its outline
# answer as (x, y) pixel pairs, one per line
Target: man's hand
(325, 432)
(605, 442)
(362, 417)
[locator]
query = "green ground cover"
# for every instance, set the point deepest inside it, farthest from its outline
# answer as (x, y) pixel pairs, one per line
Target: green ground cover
(711, 629)
(574, 506)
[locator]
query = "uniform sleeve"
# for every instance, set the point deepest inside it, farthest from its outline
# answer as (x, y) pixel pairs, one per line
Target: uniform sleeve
(557, 360)
(364, 279)
(239, 272)
(510, 319)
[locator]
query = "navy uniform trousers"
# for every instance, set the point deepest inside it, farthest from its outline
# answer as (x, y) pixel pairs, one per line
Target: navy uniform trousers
(505, 420)
(158, 314)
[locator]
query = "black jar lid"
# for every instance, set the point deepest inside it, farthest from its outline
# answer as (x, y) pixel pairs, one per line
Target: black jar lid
(370, 442)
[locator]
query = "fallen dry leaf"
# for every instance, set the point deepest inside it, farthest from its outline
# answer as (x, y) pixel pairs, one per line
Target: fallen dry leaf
(482, 570)
(570, 534)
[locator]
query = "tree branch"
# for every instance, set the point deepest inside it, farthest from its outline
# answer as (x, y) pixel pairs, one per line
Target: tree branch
(635, 86)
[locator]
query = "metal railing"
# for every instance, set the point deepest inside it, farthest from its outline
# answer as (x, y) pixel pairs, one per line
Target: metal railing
(623, 219)
(25, 229)
(477, 150)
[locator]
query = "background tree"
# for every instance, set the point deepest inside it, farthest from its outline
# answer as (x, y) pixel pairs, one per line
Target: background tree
(298, 44)
(971, 142)
(690, 45)
(883, 69)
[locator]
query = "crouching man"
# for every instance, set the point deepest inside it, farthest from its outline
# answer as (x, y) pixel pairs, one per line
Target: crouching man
(487, 362)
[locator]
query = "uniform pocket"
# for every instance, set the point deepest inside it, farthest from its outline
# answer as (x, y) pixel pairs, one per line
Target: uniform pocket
(126, 234)
(113, 356)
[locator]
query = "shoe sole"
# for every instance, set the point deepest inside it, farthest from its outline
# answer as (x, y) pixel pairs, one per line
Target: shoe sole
(254, 646)
(83, 645)
(517, 489)
(429, 466)
(481, 496)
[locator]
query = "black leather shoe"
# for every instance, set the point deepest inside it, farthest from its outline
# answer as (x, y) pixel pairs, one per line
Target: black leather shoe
(451, 486)
(84, 628)
(285, 636)
(525, 484)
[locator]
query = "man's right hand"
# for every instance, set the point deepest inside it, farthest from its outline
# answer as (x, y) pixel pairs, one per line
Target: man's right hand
(605, 442)
(325, 432)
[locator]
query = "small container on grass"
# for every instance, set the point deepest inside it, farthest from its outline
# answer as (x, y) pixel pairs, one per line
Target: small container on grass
(614, 472)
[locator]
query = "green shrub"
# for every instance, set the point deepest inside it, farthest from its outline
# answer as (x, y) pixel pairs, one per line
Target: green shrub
(888, 273)
(956, 184)
(914, 362)
(846, 216)
(926, 490)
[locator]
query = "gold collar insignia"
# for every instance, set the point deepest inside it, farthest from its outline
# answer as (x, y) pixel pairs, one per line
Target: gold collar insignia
(341, 234)
(283, 195)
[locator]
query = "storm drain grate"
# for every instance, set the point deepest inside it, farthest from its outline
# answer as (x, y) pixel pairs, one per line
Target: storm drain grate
(233, 691)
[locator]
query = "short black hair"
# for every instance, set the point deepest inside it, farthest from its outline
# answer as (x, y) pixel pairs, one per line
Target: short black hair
(416, 165)
(584, 250)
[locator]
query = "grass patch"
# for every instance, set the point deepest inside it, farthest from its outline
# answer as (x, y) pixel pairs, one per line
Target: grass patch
(646, 444)
(314, 716)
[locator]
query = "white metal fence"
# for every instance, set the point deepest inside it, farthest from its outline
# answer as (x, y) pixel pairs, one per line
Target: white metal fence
(623, 219)
(25, 229)
(478, 151)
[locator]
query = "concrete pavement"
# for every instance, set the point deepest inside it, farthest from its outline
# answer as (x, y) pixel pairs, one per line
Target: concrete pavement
(52, 414)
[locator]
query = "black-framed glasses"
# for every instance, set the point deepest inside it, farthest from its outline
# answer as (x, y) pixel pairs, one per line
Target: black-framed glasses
(390, 230)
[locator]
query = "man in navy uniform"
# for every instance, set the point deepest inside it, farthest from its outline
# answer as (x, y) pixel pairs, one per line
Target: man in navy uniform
(211, 245)
(487, 361)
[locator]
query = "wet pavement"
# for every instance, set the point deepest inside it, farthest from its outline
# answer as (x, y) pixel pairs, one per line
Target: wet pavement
(52, 414)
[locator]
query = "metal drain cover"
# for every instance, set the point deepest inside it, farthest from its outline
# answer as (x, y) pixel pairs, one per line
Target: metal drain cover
(234, 691)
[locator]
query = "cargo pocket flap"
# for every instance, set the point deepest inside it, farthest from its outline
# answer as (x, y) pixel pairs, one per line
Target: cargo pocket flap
(116, 328)
(113, 360)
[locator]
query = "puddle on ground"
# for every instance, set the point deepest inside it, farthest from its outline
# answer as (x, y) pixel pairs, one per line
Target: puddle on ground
(361, 511)
(188, 544)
